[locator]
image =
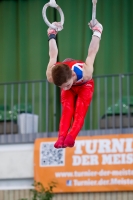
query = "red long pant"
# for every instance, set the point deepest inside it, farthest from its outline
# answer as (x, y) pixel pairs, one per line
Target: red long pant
(75, 103)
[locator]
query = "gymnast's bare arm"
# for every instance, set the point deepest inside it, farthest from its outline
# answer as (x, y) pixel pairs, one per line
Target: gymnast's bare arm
(92, 51)
(53, 53)
(53, 50)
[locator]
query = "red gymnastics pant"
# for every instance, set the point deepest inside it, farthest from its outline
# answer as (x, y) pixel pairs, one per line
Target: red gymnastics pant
(75, 103)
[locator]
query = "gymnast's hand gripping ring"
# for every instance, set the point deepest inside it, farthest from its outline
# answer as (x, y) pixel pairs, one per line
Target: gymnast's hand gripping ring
(53, 4)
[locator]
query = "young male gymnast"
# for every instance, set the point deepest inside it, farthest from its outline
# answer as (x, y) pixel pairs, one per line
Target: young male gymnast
(74, 77)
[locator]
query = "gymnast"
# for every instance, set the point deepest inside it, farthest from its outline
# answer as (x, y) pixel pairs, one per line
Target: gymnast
(74, 77)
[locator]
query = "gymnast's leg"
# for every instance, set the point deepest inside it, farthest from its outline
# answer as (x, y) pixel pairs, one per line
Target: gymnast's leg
(82, 104)
(67, 100)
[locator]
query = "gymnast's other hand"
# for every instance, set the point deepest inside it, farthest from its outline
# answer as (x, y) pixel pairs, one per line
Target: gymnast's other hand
(96, 27)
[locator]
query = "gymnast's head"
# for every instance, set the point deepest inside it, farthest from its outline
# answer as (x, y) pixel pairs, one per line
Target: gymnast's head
(62, 76)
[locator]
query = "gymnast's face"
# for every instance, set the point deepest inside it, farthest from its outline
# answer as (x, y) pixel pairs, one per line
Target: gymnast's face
(67, 85)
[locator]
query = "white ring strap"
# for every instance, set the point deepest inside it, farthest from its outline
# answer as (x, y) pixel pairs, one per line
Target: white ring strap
(94, 11)
(53, 4)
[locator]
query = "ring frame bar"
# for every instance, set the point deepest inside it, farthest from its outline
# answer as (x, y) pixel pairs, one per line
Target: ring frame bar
(45, 17)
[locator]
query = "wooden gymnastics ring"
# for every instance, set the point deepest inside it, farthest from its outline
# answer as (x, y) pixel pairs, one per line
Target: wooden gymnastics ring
(94, 2)
(53, 4)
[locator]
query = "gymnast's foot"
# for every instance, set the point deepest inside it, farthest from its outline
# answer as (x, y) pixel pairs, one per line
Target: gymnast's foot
(59, 143)
(69, 141)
